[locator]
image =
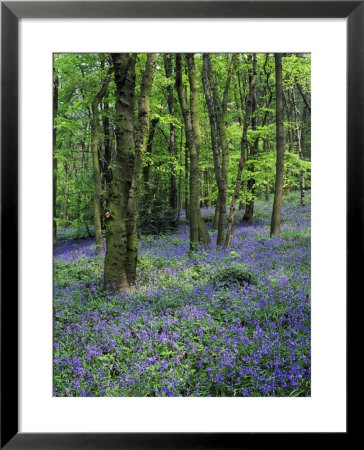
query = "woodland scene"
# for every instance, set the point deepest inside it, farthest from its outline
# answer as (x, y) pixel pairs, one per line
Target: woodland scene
(182, 225)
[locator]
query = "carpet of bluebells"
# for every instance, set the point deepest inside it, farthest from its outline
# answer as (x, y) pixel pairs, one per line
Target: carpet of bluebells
(218, 322)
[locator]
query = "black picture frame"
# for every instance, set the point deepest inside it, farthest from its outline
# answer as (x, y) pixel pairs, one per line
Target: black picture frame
(11, 12)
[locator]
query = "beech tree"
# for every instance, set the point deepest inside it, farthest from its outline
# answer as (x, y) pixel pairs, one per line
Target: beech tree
(243, 154)
(96, 161)
(167, 58)
(280, 144)
(121, 224)
(55, 109)
(198, 230)
(217, 112)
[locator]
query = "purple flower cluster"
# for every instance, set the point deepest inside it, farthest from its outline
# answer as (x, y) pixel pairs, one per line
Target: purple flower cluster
(220, 322)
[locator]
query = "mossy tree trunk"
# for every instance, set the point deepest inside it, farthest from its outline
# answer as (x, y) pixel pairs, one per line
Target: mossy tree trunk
(298, 130)
(121, 231)
(249, 209)
(244, 147)
(146, 169)
(172, 138)
(220, 107)
(66, 194)
(198, 230)
(203, 235)
(106, 164)
(96, 162)
(280, 143)
(186, 184)
(115, 272)
(141, 138)
(55, 111)
(220, 216)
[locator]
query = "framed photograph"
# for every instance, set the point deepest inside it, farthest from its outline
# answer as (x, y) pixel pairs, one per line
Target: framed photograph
(209, 332)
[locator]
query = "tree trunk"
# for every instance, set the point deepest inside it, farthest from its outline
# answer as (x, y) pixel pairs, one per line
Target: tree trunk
(186, 184)
(106, 165)
(96, 162)
(267, 193)
(299, 147)
(249, 210)
(172, 145)
(115, 273)
(220, 212)
(146, 169)
(307, 103)
(66, 196)
(202, 189)
(198, 230)
(278, 191)
(244, 146)
(55, 111)
(180, 178)
(195, 213)
(208, 187)
(141, 137)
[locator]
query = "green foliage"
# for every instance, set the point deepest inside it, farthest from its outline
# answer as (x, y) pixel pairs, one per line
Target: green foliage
(68, 273)
(157, 218)
(80, 77)
(234, 273)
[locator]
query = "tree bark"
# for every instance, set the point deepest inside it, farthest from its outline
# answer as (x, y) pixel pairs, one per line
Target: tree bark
(249, 209)
(179, 203)
(106, 164)
(220, 216)
(198, 230)
(141, 137)
(299, 147)
(146, 168)
(121, 231)
(244, 147)
(115, 273)
(304, 98)
(55, 111)
(186, 184)
(280, 143)
(66, 196)
(96, 162)
(172, 138)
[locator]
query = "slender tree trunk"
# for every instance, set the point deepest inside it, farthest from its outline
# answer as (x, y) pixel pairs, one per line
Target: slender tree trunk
(278, 191)
(299, 147)
(244, 146)
(208, 187)
(146, 168)
(220, 109)
(106, 166)
(267, 193)
(203, 234)
(220, 212)
(55, 111)
(141, 137)
(66, 196)
(172, 145)
(249, 210)
(180, 178)
(198, 230)
(241, 102)
(307, 103)
(96, 162)
(186, 183)
(202, 189)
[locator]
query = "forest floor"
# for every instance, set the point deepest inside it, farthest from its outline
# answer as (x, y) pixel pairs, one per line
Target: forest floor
(218, 322)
